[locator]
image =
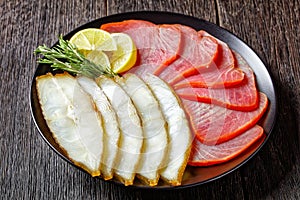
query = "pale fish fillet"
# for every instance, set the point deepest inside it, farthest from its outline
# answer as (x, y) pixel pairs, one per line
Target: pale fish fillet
(180, 140)
(72, 119)
(131, 138)
(154, 128)
(110, 124)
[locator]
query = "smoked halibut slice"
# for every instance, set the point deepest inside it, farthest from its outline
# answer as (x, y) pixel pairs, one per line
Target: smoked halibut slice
(243, 97)
(154, 128)
(214, 124)
(131, 137)
(110, 124)
(72, 119)
(179, 134)
(204, 155)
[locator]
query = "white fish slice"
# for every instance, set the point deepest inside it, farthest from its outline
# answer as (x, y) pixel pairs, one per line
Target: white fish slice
(131, 138)
(180, 140)
(71, 117)
(154, 128)
(110, 124)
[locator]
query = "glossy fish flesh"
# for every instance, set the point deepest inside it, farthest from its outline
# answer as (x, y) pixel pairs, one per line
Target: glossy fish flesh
(110, 124)
(154, 127)
(72, 119)
(179, 134)
(131, 138)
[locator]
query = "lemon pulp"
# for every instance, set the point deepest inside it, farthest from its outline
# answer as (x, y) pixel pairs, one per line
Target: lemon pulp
(93, 39)
(125, 56)
(116, 51)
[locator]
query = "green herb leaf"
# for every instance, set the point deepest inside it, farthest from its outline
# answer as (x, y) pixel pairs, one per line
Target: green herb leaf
(65, 56)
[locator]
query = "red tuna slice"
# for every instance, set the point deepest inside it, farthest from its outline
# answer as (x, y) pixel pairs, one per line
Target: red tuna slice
(224, 74)
(204, 155)
(213, 124)
(219, 78)
(243, 97)
(126, 25)
(162, 50)
(196, 54)
(220, 73)
(157, 45)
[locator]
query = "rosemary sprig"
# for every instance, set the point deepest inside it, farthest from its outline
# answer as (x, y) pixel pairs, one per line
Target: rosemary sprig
(65, 56)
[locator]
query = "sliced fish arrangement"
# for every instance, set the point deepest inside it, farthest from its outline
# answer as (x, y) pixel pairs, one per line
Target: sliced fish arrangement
(109, 122)
(131, 139)
(141, 132)
(154, 128)
(178, 128)
(215, 84)
(188, 99)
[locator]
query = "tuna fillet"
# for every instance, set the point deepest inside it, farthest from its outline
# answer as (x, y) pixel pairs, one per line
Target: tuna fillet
(157, 45)
(204, 155)
(214, 124)
(243, 97)
(196, 53)
(223, 72)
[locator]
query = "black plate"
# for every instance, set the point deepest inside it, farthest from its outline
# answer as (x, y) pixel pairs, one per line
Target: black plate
(193, 175)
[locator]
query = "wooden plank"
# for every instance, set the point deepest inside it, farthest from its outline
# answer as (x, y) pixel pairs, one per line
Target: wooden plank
(271, 28)
(31, 170)
(201, 9)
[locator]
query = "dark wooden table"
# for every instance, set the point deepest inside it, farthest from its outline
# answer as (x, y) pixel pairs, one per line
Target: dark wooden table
(31, 170)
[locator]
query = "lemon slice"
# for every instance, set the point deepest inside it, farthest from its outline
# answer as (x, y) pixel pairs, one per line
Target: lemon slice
(93, 39)
(125, 56)
(99, 58)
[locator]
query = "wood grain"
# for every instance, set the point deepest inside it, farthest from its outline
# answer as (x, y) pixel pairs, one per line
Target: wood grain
(31, 170)
(271, 29)
(189, 7)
